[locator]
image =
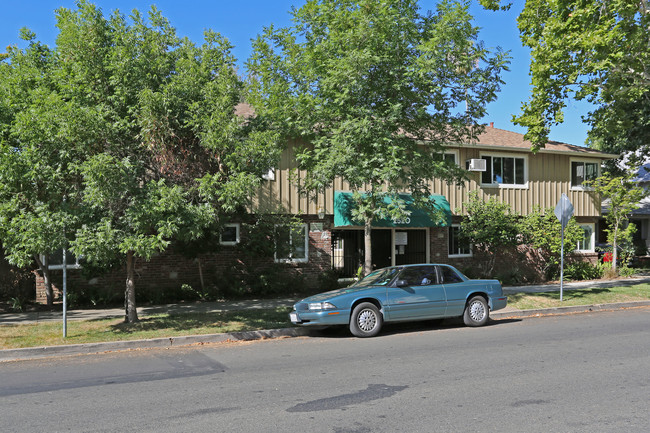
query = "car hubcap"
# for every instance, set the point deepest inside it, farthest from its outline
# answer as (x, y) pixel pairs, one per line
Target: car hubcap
(477, 311)
(367, 320)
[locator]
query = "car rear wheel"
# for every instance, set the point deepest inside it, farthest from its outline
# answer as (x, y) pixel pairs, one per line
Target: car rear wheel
(366, 320)
(476, 312)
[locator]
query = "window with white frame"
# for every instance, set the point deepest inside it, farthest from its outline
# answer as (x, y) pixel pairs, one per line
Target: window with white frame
(55, 260)
(587, 243)
(229, 234)
(451, 156)
(505, 170)
(582, 171)
(458, 247)
(292, 243)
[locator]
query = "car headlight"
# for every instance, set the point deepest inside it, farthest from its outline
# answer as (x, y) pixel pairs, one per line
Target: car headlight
(321, 306)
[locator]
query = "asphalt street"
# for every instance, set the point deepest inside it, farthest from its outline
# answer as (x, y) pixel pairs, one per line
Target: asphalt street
(570, 373)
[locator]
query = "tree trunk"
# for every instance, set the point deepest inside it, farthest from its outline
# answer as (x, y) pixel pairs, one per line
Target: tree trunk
(131, 314)
(198, 260)
(367, 265)
(44, 267)
(614, 247)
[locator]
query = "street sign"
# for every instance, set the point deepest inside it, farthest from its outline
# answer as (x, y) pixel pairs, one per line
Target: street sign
(564, 210)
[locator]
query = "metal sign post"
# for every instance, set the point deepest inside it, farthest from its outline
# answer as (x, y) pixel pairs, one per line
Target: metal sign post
(563, 212)
(65, 293)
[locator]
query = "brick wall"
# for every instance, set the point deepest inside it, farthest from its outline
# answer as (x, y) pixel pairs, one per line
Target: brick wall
(171, 270)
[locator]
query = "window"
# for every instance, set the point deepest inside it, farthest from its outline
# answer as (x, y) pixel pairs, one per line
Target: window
(419, 275)
(380, 277)
(582, 171)
(229, 234)
(458, 247)
(56, 260)
(586, 244)
(449, 276)
(504, 170)
(451, 157)
(292, 243)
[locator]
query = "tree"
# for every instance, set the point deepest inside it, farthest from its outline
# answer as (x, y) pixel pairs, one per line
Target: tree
(35, 153)
(150, 146)
(542, 231)
(490, 226)
(592, 50)
(622, 196)
(375, 90)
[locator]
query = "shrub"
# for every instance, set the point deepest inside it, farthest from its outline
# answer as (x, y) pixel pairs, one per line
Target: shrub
(16, 283)
(625, 271)
(608, 271)
(328, 280)
(583, 271)
(511, 277)
(92, 296)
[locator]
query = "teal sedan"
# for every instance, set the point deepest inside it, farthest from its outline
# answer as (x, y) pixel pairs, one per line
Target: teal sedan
(400, 294)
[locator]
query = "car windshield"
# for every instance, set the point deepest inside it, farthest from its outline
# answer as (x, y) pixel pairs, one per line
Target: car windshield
(379, 277)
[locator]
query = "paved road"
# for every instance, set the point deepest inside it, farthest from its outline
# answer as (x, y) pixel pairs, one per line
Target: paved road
(580, 373)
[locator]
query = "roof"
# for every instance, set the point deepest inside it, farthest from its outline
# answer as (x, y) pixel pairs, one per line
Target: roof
(643, 175)
(499, 138)
(642, 210)
(495, 138)
(244, 110)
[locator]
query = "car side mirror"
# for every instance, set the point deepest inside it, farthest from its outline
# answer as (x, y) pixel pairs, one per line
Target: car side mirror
(402, 283)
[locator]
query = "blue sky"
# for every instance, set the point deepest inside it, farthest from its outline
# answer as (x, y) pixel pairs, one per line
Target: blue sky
(240, 21)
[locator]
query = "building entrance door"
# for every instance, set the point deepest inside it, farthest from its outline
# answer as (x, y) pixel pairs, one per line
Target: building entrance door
(381, 248)
(404, 246)
(410, 247)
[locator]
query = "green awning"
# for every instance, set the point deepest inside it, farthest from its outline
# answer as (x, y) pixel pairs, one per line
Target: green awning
(343, 205)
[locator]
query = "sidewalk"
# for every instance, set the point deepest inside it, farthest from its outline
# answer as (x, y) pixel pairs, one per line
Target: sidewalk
(208, 307)
(194, 307)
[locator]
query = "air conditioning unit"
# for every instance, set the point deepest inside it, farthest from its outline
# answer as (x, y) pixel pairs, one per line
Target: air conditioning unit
(476, 165)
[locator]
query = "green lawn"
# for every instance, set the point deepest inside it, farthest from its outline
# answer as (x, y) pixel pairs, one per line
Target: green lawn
(161, 325)
(533, 301)
(173, 325)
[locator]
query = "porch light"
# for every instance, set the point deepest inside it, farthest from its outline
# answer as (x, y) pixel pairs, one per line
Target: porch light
(321, 213)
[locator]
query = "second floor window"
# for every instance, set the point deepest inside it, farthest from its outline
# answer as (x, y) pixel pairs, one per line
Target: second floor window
(450, 156)
(582, 171)
(504, 170)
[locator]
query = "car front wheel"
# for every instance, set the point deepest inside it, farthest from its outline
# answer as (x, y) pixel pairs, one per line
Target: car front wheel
(476, 312)
(366, 320)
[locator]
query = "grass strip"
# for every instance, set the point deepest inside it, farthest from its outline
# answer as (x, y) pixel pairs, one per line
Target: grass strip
(155, 326)
(609, 295)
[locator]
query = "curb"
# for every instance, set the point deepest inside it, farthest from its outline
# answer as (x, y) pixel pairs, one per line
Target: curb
(115, 346)
(28, 353)
(558, 311)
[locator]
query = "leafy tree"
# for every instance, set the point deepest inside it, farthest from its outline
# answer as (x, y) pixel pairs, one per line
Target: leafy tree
(542, 231)
(36, 150)
(490, 226)
(593, 50)
(375, 89)
(142, 135)
(622, 196)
